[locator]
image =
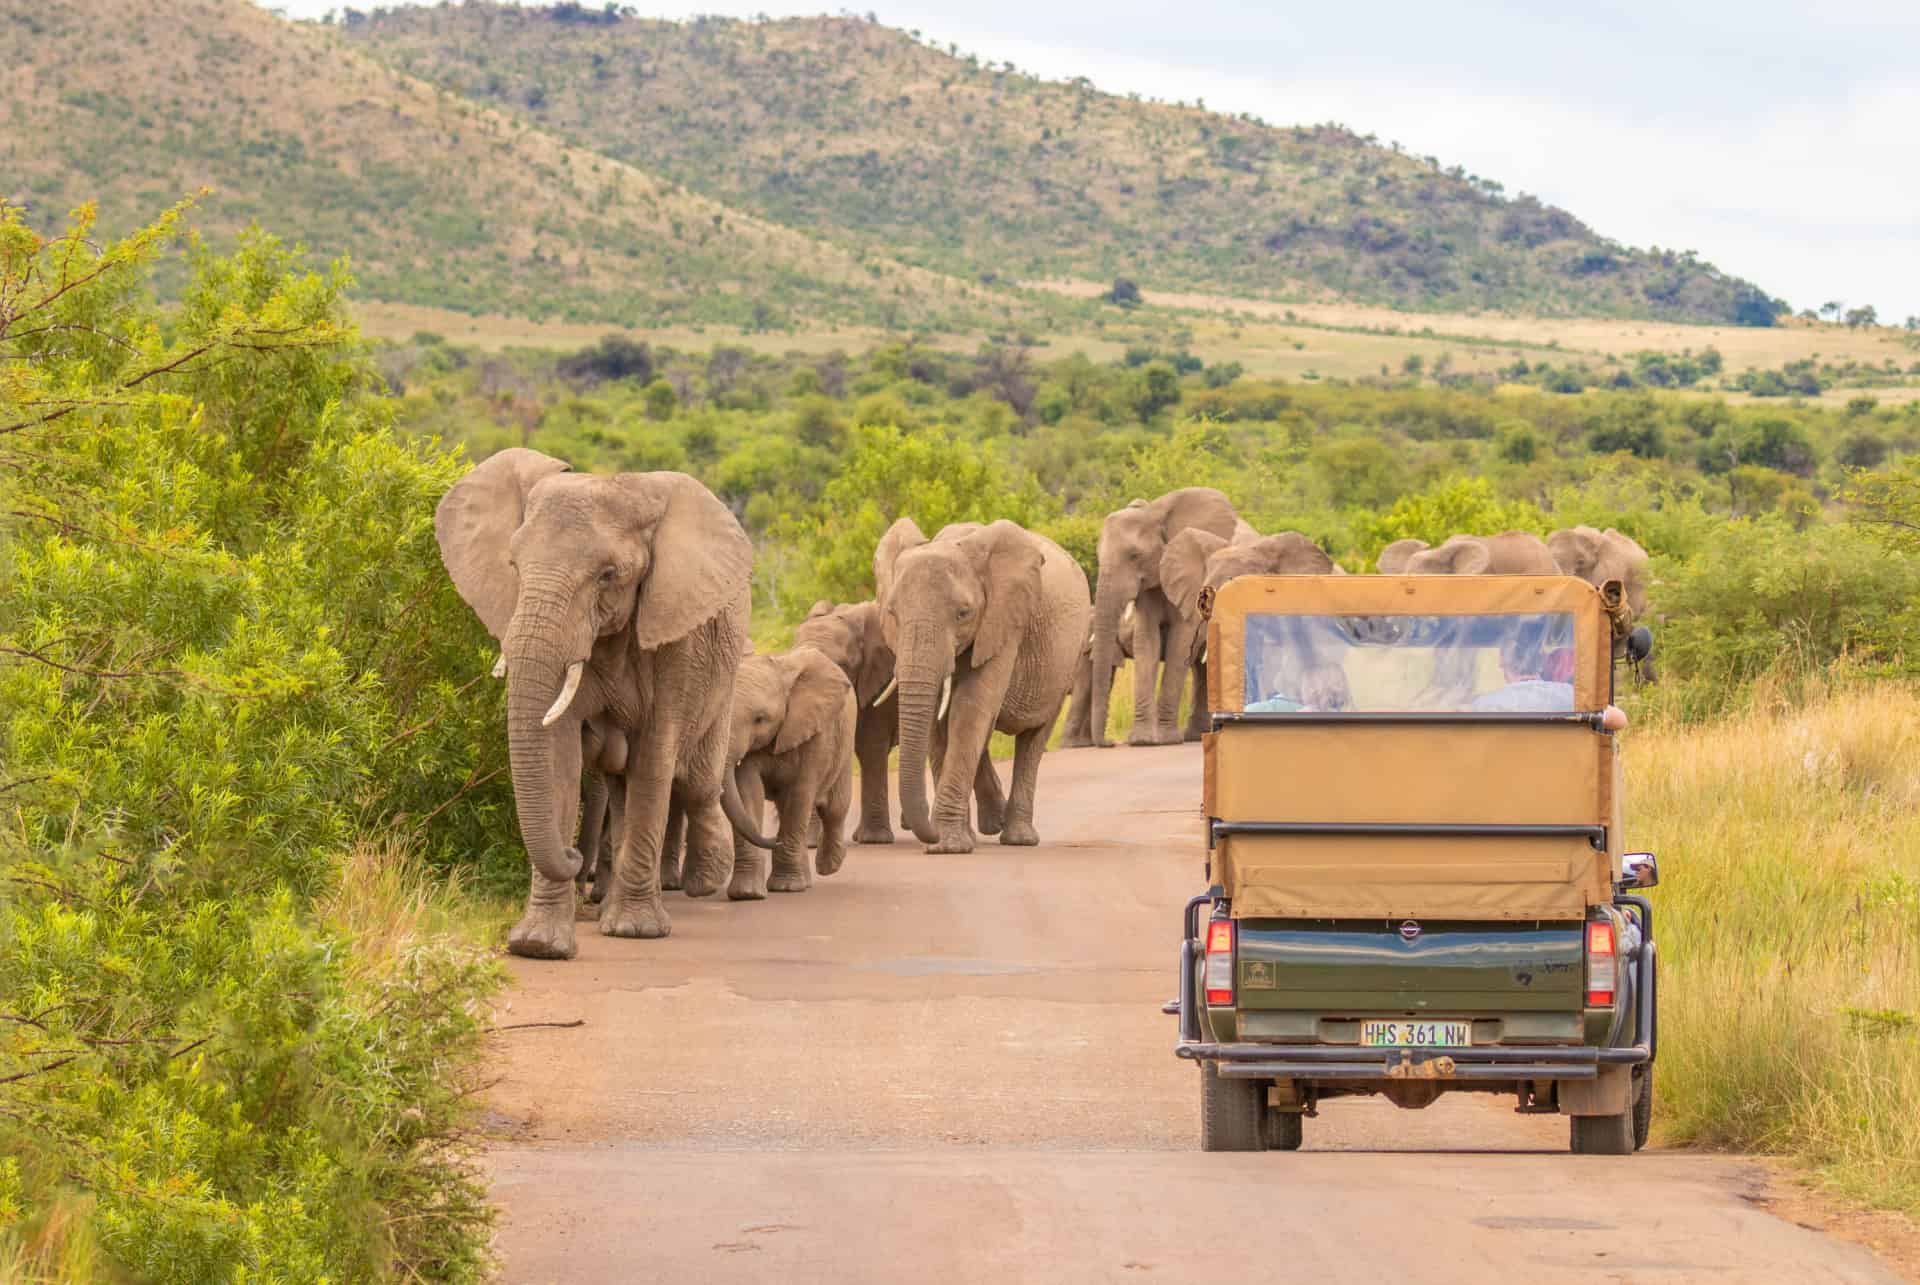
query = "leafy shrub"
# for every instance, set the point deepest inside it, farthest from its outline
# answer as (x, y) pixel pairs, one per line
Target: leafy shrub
(228, 657)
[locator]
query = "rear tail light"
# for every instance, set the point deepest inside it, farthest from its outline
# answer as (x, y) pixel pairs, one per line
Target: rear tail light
(1602, 964)
(1219, 976)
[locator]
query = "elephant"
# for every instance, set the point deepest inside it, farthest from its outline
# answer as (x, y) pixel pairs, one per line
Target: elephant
(624, 600)
(1196, 564)
(1132, 542)
(791, 741)
(1599, 556)
(990, 618)
(849, 635)
(1511, 553)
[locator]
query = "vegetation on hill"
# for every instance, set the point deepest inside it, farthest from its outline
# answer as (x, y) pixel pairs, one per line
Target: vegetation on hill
(241, 711)
(866, 135)
(441, 200)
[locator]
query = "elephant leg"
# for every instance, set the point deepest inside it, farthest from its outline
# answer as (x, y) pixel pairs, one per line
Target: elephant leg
(672, 847)
(545, 929)
(749, 864)
(709, 838)
(1173, 681)
(1199, 720)
(1146, 674)
(593, 817)
(813, 832)
(1078, 730)
(872, 743)
(976, 702)
(988, 801)
(633, 908)
(791, 873)
(1028, 746)
(610, 840)
(833, 808)
(706, 863)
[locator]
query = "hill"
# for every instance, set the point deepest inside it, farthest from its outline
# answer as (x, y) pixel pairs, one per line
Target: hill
(869, 137)
(440, 200)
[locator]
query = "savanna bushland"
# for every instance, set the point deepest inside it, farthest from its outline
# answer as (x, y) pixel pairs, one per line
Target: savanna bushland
(256, 808)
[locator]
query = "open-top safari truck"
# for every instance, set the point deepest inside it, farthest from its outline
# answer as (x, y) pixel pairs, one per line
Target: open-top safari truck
(1415, 852)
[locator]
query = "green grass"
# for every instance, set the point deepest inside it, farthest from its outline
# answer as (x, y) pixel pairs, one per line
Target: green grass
(1790, 974)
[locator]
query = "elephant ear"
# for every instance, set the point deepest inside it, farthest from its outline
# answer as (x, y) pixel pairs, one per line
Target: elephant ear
(1393, 559)
(1196, 506)
(904, 534)
(1183, 568)
(1243, 532)
(1463, 555)
(1007, 560)
(701, 559)
(818, 609)
(1575, 550)
(816, 694)
(876, 658)
(474, 523)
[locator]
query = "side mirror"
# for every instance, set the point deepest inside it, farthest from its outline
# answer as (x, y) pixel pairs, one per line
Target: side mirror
(1639, 870)
(1639, 644)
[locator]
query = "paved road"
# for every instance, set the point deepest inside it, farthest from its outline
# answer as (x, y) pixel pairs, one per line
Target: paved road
(954, 1068)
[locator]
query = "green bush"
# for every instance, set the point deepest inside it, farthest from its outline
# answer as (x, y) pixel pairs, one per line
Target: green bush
(229, 660)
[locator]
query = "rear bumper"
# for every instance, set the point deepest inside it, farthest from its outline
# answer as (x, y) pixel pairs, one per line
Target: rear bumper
(1336, 1062)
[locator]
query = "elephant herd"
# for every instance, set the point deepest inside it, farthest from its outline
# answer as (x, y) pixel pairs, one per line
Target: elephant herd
(640, 721)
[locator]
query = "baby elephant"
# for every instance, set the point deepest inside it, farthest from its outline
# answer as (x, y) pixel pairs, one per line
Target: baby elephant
(792, 742)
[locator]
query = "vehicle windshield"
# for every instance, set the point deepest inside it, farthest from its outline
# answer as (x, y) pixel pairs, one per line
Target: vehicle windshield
(1395, 664)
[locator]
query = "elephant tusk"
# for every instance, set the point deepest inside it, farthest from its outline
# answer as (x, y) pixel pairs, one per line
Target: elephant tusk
(565, 698)
(946, 694)
(1203, 653)
(500, 666)
(884, 692)
(1126, 617)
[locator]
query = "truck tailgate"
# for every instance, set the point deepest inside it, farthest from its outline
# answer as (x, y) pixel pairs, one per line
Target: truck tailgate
(1335, 966)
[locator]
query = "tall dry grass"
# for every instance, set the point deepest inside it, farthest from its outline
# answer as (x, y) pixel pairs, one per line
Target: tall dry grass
(1789, 841)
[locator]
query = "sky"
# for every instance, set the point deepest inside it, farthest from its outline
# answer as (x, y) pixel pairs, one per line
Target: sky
(1778, 138)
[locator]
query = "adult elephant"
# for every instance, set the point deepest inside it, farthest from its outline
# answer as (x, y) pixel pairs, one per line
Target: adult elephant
(1132, 542)
(791, 741)
(1511, 553)
(985, 623)
(1196, 564)
(624, 600)
(1599, 556)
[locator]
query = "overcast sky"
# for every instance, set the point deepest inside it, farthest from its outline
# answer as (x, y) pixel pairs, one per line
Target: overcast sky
(1779, 138)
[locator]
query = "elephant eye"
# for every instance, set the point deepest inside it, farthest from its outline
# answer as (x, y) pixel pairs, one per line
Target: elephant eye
(961, 613)
(606, 576)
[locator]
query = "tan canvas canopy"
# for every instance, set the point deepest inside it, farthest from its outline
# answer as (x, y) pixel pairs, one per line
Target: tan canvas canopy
(1377, 805)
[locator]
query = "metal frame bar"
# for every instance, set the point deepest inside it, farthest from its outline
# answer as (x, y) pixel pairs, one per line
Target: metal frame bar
(1223, 718)
(1593, 834)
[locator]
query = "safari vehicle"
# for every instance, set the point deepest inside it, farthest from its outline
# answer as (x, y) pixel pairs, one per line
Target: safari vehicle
(1415, 852)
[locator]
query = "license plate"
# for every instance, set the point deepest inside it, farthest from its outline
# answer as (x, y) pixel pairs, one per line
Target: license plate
(1423, 1035)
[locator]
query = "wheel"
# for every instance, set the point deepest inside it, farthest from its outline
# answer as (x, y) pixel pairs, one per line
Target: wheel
(1231, 1112)
(1601, 1135)
(1284, 1129)
(1642, 1104)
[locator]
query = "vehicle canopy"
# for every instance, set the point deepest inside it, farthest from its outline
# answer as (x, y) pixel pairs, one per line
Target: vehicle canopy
(1431, 747)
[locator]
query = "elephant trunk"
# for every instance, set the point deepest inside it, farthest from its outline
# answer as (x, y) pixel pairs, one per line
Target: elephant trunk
(736, 809)
(535, 676)
(923, 662)
(1110, 601)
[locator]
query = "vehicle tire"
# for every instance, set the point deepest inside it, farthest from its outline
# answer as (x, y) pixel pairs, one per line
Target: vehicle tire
(1642, 1105)
(1231, 1112)
(1601, 1135)
(1285, 1130)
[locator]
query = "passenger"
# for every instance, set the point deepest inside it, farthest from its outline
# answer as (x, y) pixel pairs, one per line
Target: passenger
(1524, 661)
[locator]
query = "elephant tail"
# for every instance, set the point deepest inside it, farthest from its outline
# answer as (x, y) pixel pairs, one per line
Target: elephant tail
(736, 809)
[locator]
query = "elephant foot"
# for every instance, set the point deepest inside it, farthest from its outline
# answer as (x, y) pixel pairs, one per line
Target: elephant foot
(670, 876)
(953, 839)
(544, 932)
(641, 917)
(1141, 736)
(700, 884)
(747, 885)
(829, 858)
(791, 881)
(880, 834)
(1075, 742)
(992, 822)
(1194, 734)
(1020, 834)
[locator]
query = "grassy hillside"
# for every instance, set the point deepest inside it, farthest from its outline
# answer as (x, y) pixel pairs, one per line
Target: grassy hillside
(442, 201)
(855, 130)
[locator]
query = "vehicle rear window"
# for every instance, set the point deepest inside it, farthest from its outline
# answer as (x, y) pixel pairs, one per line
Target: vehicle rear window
(1395, 664)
